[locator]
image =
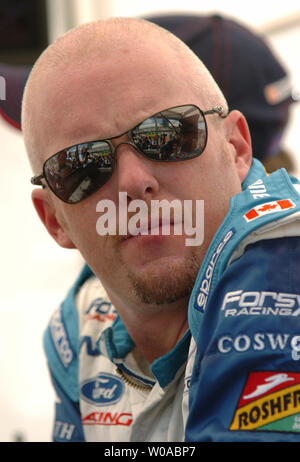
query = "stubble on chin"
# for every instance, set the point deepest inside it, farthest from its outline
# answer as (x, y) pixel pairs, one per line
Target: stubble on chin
(164, 283)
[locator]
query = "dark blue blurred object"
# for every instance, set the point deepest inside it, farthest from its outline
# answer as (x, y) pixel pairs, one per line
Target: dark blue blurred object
(245, 68)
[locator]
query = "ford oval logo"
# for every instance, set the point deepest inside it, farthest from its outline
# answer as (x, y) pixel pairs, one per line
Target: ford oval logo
(102, 390)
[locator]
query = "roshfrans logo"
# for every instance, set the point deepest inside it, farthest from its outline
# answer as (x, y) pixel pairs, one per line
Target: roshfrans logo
(270, 401)
(102, 390)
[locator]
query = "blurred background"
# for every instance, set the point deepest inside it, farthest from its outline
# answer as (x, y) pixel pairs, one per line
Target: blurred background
(36, 273)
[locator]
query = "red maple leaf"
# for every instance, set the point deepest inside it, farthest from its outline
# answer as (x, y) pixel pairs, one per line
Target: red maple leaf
(267, 207)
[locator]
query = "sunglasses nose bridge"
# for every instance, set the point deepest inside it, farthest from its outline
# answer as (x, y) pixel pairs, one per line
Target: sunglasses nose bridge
(130, 143)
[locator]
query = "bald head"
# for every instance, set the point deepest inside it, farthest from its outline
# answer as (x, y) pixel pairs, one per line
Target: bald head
(112, 43)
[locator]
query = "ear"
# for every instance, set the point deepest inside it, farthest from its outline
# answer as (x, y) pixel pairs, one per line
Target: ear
(239, 139)
(48, 215)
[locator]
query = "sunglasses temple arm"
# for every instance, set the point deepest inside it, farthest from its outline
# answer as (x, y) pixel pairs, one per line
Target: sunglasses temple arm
(217, 110)
(36, 180)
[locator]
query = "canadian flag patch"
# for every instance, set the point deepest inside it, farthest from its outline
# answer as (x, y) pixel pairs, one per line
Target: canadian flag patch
(269, 207)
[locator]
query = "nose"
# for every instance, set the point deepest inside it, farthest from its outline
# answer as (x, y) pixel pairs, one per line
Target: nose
(135, 174)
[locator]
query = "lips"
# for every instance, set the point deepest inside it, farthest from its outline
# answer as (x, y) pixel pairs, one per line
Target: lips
(160, 227)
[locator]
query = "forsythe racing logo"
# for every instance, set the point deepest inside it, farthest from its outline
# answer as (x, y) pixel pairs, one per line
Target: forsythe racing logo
(255, 303)
(270, 401)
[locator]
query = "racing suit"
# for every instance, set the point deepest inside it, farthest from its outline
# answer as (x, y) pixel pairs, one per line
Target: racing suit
(235, 375)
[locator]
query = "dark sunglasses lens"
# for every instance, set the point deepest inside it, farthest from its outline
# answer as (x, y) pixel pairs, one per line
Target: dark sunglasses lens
(175, 134)
(77, 172)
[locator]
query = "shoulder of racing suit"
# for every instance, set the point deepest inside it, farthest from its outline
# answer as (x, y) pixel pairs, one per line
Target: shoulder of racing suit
(244, 355)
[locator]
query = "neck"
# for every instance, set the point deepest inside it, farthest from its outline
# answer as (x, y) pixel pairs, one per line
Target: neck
(155, 330)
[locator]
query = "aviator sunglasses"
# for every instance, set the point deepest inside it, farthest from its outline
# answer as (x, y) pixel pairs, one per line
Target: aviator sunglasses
(175, 134)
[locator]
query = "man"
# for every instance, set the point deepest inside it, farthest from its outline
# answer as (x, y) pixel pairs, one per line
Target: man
(119, 348)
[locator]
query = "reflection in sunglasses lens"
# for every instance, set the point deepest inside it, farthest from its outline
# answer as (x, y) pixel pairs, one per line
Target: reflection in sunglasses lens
(79, 171)
(175, 134)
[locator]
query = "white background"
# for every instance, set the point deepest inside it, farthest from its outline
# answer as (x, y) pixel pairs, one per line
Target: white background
(35, 272)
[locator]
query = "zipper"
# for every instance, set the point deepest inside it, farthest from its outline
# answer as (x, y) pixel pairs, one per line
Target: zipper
(134, 383)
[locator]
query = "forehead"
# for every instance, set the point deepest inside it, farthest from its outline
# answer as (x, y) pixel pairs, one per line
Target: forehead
(96, 98)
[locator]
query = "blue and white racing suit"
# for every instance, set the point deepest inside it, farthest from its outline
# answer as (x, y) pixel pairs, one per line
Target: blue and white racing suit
(234, 376)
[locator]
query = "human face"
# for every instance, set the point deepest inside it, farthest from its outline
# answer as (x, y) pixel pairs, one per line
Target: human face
(98, 101)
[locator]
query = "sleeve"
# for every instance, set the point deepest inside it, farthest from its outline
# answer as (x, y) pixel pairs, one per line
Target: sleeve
(61, 346)
(61, 349)
(67, 424)
(245, 384)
